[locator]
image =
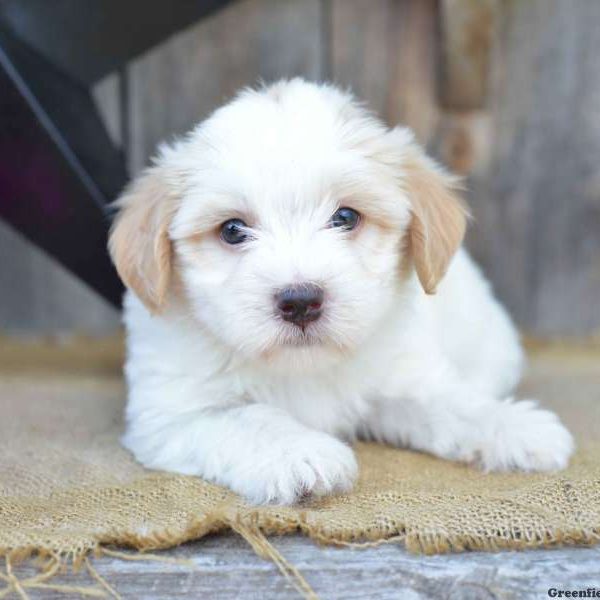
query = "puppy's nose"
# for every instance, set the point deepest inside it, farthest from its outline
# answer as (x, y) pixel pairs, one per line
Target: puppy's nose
(300, 304)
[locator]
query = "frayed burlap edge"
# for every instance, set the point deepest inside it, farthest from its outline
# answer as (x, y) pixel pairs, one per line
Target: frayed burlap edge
(254, 527)
(52, 561)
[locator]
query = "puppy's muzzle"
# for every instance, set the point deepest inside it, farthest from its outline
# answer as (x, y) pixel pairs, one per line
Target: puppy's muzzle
(300, 304)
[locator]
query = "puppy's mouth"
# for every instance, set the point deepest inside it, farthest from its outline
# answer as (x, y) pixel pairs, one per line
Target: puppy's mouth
(302, 341)
(297, 348)
(300, 336)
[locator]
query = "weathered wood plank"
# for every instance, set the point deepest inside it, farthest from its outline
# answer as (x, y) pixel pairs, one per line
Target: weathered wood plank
(466, 29)
(385, 51)
(40, 297)
(107, 95)
(180, 82)
(537, 203)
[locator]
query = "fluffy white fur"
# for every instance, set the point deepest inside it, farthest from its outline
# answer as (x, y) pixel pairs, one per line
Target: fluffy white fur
(222, 388)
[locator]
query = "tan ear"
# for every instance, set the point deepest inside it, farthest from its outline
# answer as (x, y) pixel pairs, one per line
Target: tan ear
(139, 242)
(439, 218)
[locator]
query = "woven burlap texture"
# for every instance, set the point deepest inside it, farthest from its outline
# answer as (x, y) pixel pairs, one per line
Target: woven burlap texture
(68, 488)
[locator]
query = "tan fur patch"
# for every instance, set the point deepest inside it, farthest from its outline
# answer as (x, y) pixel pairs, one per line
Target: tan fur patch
(139, 243)
(438, 223)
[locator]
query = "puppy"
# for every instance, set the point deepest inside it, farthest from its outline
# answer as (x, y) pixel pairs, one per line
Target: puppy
(296, 281)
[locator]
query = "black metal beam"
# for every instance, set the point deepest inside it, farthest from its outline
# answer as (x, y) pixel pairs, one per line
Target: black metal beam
(57, 166)
(89, 39)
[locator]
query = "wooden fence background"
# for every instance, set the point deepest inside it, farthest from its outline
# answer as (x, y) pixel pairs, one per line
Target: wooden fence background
(530, 148)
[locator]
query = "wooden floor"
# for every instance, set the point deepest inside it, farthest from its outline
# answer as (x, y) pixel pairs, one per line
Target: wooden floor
(225, 567)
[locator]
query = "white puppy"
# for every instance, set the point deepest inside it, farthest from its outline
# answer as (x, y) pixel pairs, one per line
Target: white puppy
(296, 281)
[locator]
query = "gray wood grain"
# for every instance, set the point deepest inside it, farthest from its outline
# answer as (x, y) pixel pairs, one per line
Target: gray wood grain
(537, 203)
(181, 81)
(225, 567)
(466, 31)
(107, 95)
(385, 51)
(39, 297)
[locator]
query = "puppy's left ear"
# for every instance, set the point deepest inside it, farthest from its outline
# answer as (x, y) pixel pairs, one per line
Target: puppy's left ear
(439, 216)
(139, 241)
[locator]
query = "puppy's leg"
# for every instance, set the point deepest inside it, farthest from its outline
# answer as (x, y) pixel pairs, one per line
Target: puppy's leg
(440, 414)
(258, 451)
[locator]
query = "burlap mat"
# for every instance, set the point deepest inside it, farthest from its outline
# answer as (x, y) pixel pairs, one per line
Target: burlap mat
(67, 488)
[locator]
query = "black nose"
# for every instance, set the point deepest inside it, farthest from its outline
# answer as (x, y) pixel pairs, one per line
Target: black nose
(300, 304)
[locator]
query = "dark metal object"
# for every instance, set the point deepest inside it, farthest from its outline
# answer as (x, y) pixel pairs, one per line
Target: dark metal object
(46, 193)
(58, 166)
(89, 39)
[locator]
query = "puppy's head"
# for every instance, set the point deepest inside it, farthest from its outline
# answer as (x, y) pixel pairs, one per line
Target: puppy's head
(292, 219)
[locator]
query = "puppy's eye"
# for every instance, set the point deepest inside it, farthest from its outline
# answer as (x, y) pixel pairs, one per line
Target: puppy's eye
(234, 231)
(345, 217)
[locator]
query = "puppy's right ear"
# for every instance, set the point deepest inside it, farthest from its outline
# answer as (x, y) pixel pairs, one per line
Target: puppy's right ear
(439, 217)
(139, 241)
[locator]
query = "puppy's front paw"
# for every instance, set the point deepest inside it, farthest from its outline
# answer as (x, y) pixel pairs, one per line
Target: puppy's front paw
(310, 464)
(519, 435)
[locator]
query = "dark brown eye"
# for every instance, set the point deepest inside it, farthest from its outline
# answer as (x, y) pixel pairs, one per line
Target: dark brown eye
(346, 218)
(234, 231)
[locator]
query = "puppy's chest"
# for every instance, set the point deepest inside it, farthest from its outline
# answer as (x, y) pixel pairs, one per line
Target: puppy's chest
(336, 402)
(319, 403)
